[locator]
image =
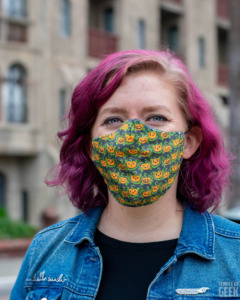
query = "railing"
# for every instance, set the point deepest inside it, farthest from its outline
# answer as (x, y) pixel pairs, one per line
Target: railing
(16, 32)
(101, 43)
(223, 9)
(13, 30)
(174, 1)
(223, 74)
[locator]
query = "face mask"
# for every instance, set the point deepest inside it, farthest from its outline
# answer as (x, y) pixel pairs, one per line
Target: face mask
(139, 163)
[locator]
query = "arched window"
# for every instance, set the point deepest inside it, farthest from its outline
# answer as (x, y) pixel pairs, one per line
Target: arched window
(2, 190)
(15, 8)
(15, 102)
(66, 17)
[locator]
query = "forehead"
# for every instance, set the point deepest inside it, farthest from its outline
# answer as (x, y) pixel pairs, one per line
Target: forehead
(143, 89)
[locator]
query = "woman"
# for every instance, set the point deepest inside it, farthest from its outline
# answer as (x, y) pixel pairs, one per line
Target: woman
(144, 160)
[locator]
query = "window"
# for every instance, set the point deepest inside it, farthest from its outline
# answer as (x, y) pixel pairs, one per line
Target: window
(24, 205)
(17, 32)
(66, 18)
(2, 190)
(15, 97)
(173, 38)
(15, 8)
(141, 34)
(62, 103)
(223, 44)
(201, 52)
(109, 19)
(225, 100)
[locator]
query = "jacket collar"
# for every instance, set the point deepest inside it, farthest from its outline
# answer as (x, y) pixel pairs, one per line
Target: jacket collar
(197, 234)
(86, 227)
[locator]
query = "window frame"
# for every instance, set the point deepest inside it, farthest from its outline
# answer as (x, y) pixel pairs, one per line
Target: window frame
(16, 94)
(66, 18)
(141, 34)
(201, 52)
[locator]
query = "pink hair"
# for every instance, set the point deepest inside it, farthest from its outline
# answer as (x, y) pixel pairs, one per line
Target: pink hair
(202, 178)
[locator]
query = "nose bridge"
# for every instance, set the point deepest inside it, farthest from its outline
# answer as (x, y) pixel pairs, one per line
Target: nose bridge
(134, 115)
(131, 126)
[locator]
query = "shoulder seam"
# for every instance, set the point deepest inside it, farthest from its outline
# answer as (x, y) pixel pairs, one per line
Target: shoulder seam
(225, 227)
(56, 226)
(227, 233)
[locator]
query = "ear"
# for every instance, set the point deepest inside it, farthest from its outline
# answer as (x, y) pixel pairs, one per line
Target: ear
(192, 141)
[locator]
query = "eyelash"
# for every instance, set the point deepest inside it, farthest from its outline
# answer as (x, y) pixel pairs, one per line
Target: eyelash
(163, 119)
(108, 121)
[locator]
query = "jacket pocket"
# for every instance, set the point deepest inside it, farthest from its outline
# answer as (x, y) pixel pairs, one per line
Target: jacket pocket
(44, 294)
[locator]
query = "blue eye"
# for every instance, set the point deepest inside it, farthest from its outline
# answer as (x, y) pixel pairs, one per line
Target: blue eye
(157, 118)
(112, 121)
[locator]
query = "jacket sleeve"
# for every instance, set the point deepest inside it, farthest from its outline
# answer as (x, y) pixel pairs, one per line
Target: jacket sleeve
(19, 291)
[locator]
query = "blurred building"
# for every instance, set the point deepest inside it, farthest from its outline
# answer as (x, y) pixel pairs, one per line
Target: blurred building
(46, 47)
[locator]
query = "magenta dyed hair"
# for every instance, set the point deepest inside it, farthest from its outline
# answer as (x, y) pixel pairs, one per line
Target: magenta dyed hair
(202, 178)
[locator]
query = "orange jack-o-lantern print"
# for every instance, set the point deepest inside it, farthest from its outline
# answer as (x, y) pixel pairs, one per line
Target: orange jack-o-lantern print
(138, 163)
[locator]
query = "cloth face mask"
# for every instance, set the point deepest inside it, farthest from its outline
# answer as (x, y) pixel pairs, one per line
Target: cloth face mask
(139, 163)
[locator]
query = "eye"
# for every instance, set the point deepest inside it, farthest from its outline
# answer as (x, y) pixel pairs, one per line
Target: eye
(157, 118)
(112, 120)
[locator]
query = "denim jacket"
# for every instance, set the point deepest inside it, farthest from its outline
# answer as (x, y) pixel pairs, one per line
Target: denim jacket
(63, 261)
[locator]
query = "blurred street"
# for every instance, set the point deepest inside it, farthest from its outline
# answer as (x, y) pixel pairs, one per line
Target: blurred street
(9, 268)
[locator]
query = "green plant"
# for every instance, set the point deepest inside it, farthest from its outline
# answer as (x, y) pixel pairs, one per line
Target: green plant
(3, 212)
(14, 229)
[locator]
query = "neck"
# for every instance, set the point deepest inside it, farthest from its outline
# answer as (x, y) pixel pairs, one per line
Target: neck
(158, 221)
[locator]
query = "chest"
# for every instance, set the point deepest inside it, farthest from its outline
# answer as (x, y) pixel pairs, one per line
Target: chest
(79, 277)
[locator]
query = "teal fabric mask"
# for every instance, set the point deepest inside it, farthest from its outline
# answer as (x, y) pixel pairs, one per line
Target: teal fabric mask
(139, 163)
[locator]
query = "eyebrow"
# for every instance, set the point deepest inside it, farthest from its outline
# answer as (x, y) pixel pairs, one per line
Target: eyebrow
(155, 107)
(114, 109)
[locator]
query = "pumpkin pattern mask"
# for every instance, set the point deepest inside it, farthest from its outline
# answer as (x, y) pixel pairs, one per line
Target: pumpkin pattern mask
(139, 163)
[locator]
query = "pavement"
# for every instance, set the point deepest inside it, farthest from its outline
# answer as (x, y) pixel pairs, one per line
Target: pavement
(9, 268)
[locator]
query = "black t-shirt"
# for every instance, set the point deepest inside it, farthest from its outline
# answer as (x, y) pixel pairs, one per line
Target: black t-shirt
(129, 268)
